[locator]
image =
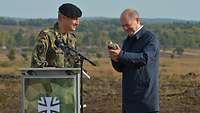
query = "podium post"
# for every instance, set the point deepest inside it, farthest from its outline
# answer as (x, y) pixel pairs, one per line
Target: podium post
(50, 90)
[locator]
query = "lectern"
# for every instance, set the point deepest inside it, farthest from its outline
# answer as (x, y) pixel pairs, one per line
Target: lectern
(51, 90)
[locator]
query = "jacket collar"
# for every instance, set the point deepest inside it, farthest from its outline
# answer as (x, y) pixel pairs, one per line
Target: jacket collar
(138, 34)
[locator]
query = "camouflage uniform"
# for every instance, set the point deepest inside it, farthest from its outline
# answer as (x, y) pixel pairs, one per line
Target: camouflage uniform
(50, 50)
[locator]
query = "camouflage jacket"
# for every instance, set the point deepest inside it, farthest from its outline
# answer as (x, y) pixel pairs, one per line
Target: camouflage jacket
(50, 49)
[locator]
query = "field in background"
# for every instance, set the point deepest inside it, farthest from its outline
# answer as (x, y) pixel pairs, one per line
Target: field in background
(179, 85)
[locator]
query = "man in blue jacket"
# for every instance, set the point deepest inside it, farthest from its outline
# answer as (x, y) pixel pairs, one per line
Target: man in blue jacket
(138, 60)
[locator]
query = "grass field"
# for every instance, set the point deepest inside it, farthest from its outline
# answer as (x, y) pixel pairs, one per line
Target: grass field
(179, 85)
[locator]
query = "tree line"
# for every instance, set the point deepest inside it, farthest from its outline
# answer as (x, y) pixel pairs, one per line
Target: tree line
(94, 32)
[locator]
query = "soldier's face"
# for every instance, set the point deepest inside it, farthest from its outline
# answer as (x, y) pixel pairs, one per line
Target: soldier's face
(73, 23)
(67, 24)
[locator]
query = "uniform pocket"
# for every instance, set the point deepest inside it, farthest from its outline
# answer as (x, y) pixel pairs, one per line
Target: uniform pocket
(59, 58)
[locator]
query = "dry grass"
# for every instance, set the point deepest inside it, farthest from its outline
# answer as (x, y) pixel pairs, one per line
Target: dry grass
(12, 67)
(177, 66)
(180, 65)
(168, 66)
(103, 68)
(179, 85)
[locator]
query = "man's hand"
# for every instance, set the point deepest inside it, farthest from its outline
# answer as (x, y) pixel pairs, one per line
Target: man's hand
(114, 53)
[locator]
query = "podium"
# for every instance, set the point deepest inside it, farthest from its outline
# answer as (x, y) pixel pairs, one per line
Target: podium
(50, 90)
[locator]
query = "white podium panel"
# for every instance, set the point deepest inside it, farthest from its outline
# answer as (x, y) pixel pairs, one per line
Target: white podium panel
(51, 90)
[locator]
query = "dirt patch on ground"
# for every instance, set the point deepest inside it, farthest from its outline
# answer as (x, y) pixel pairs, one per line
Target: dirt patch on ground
(103, 94)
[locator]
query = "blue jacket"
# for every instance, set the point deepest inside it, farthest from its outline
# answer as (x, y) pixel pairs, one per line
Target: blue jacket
(139, 63)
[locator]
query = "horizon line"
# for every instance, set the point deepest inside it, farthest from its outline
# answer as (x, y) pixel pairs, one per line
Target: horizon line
(162, 18)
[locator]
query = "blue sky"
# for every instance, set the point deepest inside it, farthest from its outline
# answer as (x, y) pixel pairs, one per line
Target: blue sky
(176, 9)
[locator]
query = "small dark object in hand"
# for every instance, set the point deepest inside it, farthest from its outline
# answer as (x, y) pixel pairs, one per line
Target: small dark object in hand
(112, 45)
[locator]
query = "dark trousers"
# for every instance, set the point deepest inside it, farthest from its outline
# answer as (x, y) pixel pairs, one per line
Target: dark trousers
(148, 112)
(125, 111)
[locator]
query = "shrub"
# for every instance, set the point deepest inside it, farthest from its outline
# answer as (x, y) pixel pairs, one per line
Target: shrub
(12, 54)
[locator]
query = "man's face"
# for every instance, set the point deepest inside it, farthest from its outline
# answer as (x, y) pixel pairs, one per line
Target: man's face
(129, 24)
(67, 24)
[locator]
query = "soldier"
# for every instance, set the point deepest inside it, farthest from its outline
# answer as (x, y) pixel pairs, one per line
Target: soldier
(50, 49)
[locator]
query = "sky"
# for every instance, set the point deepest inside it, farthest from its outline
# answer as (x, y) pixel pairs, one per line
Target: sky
(174, 9)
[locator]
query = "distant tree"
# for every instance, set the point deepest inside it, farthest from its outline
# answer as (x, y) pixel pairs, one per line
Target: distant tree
(178, 50)
(99, 55)
(32, 40)
(102, 39)
(172, 55)
(25, 56)
(20, 38)
(12, 54)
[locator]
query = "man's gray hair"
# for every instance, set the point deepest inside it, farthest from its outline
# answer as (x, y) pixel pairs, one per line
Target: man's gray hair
(130, 12)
